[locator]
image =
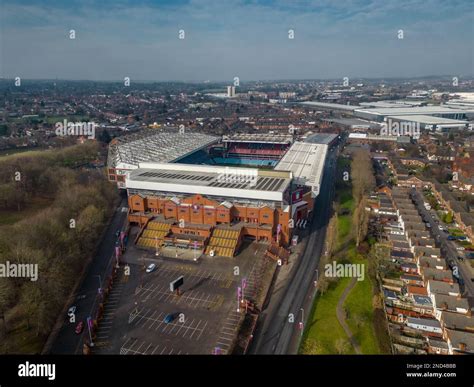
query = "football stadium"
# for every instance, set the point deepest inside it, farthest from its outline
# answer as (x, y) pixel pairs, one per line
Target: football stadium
(195, 191)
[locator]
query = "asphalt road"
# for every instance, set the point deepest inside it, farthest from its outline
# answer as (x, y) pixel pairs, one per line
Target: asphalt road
(447, 247)
(67, 342)
(275, 334)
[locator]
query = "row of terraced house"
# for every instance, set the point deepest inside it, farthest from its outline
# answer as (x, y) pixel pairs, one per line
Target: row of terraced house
(424, 306)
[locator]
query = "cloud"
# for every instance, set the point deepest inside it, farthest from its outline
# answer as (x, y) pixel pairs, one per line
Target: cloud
(236, 38)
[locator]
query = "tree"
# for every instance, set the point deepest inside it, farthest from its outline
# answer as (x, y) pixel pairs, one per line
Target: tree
(105, 136)
(360, 221)
(341, 346)
(7, 296)
(332, 234)
(323, 284)
(449, 218)
(311, 347)
(363, 182)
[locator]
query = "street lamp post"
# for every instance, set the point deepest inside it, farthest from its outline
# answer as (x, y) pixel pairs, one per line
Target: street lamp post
(100, 282)
(317, 278)
(302, 321)
(89, 321)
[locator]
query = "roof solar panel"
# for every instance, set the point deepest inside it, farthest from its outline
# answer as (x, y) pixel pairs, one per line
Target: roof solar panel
(267, 184)
(261, 182)
(273, 184)
(280, 182)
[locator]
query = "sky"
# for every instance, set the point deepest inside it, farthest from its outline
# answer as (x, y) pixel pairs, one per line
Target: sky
(224, 39)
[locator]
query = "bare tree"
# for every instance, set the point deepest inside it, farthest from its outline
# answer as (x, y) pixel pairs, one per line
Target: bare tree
(311, 347)
(363, 182)
(360, 221)
(341, 346)
(7, 295)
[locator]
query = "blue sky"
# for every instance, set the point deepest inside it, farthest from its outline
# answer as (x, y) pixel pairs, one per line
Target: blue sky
(224, 39)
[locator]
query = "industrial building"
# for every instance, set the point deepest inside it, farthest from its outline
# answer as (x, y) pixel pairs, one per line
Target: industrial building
(434, 123)
(380, 114)
(379, 111)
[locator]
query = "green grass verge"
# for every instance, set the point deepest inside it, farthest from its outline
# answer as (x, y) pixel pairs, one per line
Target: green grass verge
(360, 313)
(323, 328)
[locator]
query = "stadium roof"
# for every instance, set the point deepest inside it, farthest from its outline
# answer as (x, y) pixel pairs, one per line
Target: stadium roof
(321, 138)
(155, 146)
(248, 183)
(256, 137)
(306, 161)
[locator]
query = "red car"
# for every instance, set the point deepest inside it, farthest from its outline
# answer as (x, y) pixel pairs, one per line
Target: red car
(79, 327)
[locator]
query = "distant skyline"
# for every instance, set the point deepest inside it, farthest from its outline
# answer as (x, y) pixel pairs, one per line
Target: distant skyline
(227, 39)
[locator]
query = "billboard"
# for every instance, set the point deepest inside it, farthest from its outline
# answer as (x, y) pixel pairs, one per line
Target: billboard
(176, 283)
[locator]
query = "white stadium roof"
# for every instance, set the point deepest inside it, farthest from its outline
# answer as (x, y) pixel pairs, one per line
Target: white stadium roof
(219, 181)
(306, 161)
(155, 146)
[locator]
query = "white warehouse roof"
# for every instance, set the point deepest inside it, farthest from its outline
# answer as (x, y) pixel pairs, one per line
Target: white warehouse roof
(429, 120)
(306, 161)
(419, 110)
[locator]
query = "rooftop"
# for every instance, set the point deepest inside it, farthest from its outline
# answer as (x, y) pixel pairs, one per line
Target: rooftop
(220, 181)
(321, 138)
(392, 111)
(256, 137)
(429, 120)
(155, 146)
(306, 161)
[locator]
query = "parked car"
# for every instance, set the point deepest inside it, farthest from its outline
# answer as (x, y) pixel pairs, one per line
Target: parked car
(151, 267)
(79, 327)
(170, 318)
(451, 238)
(460, 248)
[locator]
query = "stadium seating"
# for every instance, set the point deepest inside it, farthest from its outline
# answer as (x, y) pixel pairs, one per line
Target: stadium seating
(153, 234)
(223, 242)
